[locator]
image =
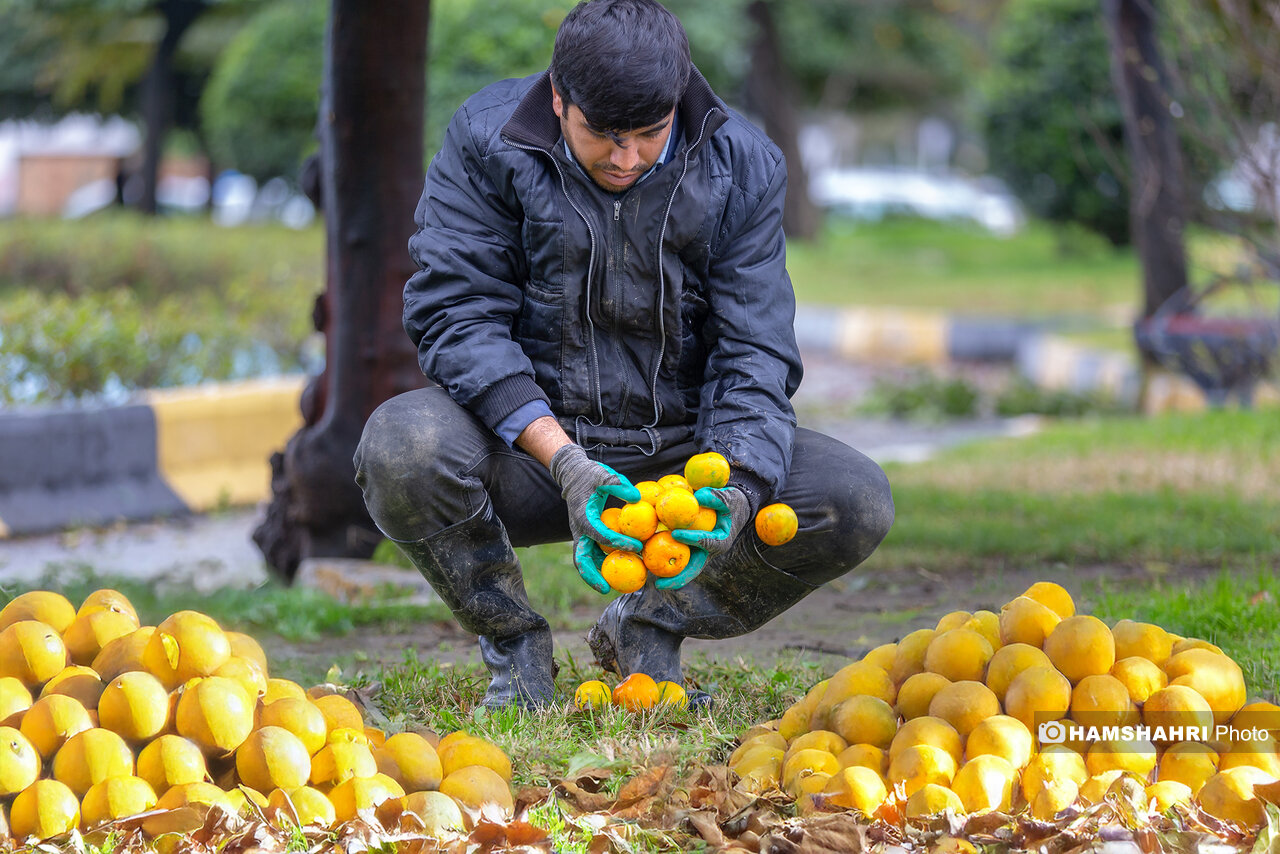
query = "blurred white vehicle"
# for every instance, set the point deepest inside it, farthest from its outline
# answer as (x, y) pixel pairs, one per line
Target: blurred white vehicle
(873, 193)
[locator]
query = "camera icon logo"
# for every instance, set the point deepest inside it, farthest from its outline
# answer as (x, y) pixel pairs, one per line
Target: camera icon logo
(1052, 732)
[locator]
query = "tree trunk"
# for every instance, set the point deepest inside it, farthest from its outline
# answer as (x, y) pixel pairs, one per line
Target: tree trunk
(1158, 200)
(773, 96)
(371, 144)
(158, 92)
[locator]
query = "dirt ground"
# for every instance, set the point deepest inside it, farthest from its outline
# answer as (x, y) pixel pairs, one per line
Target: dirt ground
(838, 622)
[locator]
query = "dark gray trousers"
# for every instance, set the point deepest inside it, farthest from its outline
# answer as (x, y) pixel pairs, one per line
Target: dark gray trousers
(425, 465)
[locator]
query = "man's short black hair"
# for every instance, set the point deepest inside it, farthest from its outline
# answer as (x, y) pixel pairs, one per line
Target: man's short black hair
(624, 63)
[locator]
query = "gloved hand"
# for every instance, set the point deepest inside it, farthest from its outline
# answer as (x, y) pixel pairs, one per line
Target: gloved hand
(586, 485)
(733, 512)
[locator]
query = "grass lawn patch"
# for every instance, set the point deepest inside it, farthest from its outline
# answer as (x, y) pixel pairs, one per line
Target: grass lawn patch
(1193, 489)
(1238, 611)
(1042, 272)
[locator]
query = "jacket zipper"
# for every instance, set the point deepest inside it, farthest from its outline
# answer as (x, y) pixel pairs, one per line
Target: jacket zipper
(662, 283)
(591, 263)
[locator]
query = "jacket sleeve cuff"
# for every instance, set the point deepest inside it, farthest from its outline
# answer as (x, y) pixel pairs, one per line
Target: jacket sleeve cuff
(505, 397)
(751, 485)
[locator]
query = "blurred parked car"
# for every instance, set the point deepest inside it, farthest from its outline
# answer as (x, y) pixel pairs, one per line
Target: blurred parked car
(873, 193)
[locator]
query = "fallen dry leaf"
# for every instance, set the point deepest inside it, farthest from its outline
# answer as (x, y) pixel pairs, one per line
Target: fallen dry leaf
(822, 834)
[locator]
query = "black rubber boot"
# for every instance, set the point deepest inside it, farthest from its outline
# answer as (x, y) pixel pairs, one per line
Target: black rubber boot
(473, 568)
(736, 594)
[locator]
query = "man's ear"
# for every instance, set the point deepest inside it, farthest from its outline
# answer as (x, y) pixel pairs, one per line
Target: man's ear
(557, 103)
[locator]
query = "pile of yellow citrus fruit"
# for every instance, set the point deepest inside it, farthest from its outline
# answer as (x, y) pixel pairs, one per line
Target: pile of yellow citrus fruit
(668, 504)
(1034, 710)
(637, 692)
(102, 718)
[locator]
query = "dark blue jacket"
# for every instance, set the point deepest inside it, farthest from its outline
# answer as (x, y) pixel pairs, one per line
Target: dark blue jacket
(644, 318)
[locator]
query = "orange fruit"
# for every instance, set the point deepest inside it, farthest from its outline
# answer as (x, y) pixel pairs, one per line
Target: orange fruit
(776, 524)
(52, 720)
(32, 652)
(171, 760)
(75, 680)
(185, 645)
(638, 691)
(1053, 596)
(609, 516)
(273, 758)
(414, 763)
(1081, 646)
(672, 694)
(45, 808)
(706, 469)
(664, 555)
(44, 606)
(135, 705)
(15, 699)
(300, 716)
(625, 571)
(592, 694)
(677, 509)
(649, 491)
(674, 481)
(91, 756)
(91, 631)
(706, 520)
(107, 599)
(638, 520)
(19, 762)
(115, 798)
(1027, 621)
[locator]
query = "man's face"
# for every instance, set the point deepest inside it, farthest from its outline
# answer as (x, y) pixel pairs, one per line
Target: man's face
(614, 161)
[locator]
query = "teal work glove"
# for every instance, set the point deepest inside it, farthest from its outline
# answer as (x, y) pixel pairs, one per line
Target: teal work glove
(733, 511)
(586, 485)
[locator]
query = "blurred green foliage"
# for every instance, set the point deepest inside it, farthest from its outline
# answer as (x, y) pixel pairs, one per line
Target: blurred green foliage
(259, 108)
(1053, 127)
(472, 43)
(124, 303)
(925, 397)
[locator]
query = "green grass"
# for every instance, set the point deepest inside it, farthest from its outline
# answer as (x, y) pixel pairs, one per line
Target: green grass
(554, 743)
(1237, 611)
(1040, 272)
(1191, 489)
(295, 614)
(922, 264)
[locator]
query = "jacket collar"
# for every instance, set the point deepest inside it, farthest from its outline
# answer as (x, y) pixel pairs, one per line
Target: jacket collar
(534, 122)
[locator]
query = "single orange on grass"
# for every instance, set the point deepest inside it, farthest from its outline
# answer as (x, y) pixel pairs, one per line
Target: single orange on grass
(638, 691)
(638, 520)
(707, 469)
(776, 524)
(592, 694)
(677, 508)
(664, 555)
(625, 571)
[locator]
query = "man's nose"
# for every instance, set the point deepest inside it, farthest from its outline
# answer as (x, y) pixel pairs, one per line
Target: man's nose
(624, 158)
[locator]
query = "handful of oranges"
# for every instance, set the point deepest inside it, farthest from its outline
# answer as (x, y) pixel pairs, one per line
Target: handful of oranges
(669, 504)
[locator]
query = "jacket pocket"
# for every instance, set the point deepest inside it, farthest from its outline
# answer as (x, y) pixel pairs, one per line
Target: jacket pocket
(544, 247)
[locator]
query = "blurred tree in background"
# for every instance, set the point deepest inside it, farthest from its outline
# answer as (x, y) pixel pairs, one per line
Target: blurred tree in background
(1054, 130)
(151, 57)
(259, 108)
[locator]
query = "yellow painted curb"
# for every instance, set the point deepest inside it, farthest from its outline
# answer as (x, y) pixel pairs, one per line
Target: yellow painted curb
(895, 335)
(214, 442)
